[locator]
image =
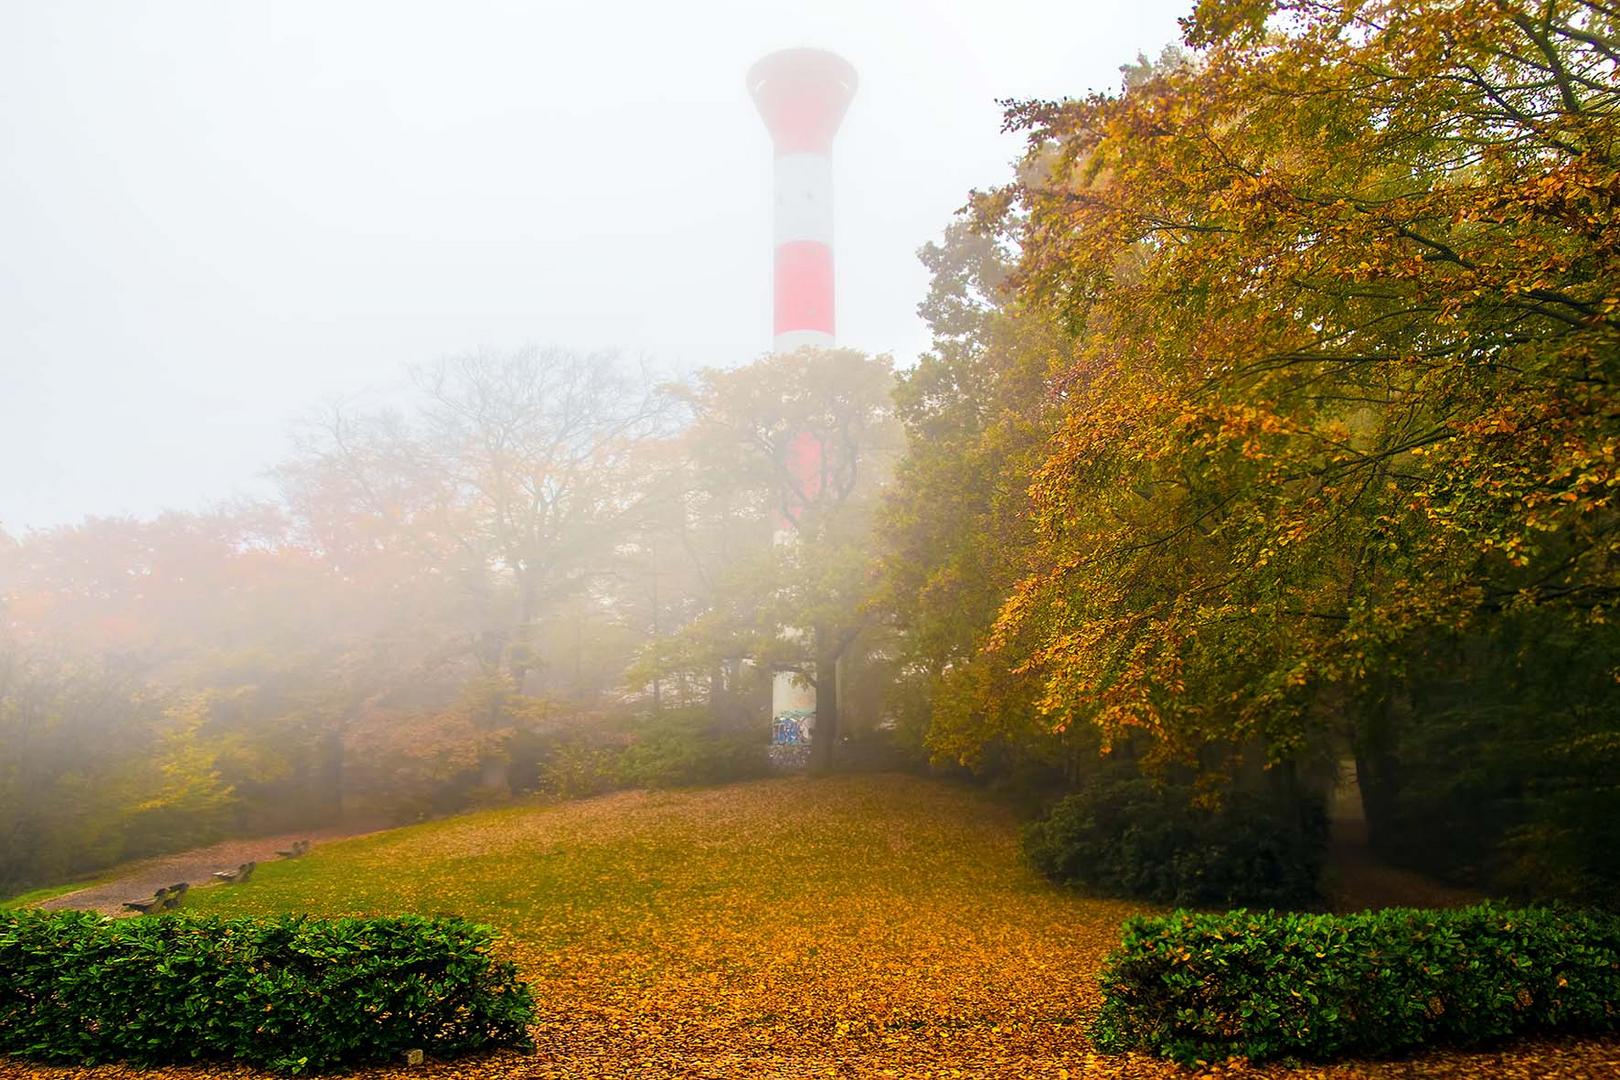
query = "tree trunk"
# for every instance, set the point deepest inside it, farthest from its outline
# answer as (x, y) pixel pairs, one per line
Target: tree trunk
(1378, 771)
(824, 743)
(717, 693)
(333, 767)
(519, 640)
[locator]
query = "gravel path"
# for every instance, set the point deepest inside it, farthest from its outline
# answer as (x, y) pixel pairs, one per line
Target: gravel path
(140, 880)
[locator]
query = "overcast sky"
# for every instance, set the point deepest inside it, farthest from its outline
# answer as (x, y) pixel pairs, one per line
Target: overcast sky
(217, 214)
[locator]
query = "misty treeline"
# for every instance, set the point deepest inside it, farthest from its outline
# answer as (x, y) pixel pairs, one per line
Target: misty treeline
(1270, 422)
(533, 571)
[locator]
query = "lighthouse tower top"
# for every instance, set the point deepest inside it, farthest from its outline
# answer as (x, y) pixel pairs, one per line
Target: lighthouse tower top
(802, 94)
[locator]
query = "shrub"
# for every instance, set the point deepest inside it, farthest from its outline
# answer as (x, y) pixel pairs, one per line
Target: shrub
(580, 767)
(1132, 837)
(681, 749)
(677, 748)
(294, 994)
(1207, 987)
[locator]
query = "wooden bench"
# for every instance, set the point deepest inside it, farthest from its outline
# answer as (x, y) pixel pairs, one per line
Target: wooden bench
(239, 876)
(145, 906)
(298, 849)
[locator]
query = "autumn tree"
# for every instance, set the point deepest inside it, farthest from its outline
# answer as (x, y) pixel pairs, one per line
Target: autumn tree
(1331, 421)
(100, 766)
(507, 481)
(1343, 307)
(707, 522)
(747, 427)
(955, 525)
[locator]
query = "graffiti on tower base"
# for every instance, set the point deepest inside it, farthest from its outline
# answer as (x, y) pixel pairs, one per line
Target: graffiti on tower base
(791, 731)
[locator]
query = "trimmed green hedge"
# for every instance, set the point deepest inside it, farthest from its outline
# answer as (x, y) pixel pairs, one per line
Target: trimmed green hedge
(1245, 984)
(294, 994)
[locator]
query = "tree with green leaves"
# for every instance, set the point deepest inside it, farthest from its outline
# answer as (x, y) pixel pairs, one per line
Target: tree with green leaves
(746, 425)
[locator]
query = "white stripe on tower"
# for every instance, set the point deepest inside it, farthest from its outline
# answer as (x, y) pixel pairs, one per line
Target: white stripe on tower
(804, 199)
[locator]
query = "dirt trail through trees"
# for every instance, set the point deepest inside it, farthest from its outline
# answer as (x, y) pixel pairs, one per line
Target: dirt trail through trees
(1358, 880)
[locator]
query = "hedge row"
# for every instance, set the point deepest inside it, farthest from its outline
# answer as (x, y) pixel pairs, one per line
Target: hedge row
(1243, 984)
(293, 994)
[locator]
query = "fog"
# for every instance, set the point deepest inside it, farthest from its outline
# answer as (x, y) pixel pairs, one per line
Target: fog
(213, 215)
(749, 540)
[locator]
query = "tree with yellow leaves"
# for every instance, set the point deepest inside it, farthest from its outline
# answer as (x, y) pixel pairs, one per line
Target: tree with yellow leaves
(1329, 444)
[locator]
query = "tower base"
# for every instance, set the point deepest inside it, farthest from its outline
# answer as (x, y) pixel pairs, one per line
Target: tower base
(793, 721)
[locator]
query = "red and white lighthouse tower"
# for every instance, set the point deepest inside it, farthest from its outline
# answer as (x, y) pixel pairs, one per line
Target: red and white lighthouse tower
(801, 94)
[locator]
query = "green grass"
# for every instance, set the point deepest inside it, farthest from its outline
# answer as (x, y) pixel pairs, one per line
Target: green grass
(609, 861)
(27, 899)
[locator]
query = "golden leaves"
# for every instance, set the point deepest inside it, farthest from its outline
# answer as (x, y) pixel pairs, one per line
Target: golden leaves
(1342, 359)
(877, 926)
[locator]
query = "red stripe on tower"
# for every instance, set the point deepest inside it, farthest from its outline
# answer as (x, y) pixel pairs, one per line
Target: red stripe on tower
(804, 287)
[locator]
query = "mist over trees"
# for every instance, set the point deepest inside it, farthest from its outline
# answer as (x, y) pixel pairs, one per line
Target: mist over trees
(1270, 422)
(473, 593)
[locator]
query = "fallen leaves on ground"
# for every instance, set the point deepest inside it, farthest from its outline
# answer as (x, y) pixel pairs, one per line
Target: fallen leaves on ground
(877, 926)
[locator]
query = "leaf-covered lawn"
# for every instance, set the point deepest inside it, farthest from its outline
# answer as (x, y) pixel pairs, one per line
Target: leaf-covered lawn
(859, 926)
(37, 896)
